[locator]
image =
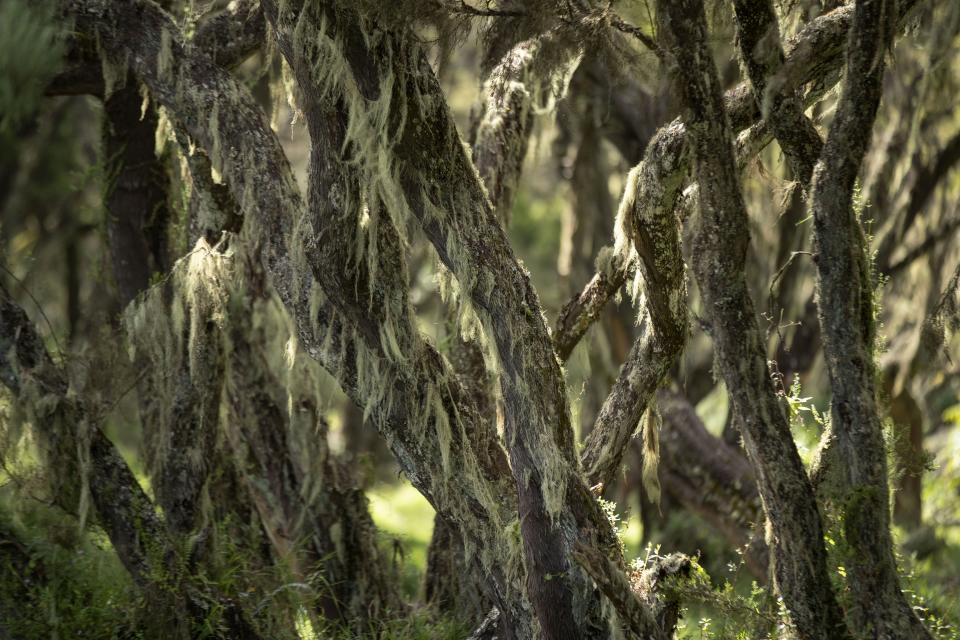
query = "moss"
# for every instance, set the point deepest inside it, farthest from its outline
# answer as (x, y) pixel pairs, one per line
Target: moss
(165, 57)
(216, 150)
(114, 70)
(166, 328)
(651, 452)
(859, 512)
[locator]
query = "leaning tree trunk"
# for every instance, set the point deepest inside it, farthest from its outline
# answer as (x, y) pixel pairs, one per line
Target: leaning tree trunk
(854, 449)
(720, 246)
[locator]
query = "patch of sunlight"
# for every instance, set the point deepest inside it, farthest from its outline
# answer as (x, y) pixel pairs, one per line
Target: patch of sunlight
(405, 520)
(713, 409)
(632, 535)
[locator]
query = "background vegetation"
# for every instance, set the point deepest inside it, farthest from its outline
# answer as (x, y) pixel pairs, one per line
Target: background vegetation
(60, 577)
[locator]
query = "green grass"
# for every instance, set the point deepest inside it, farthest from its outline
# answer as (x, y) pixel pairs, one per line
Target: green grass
(405, 520)
(76, 586)
(419, 625)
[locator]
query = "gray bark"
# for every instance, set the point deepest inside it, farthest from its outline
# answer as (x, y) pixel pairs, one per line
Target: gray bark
(720, 244)
(845, 301)
(647, 218)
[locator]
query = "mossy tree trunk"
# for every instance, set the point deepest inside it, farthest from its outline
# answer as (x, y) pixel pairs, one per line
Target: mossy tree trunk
(720, 246)
(854, 445)
(386, 159)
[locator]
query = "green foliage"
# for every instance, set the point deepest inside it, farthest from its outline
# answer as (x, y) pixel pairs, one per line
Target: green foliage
(729, 609)
(807, 421)
(30, 53)
(609, 509)
(405, 518)
(421, 625)
(73, 585)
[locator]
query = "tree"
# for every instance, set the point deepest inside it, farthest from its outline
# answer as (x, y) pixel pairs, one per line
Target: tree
(230, 341)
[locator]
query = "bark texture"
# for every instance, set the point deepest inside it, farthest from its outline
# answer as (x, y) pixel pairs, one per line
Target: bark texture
(845, 301)
(720, 241)
(67, 429)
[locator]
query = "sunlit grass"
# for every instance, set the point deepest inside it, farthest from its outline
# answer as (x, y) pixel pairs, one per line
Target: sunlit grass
(405, 519)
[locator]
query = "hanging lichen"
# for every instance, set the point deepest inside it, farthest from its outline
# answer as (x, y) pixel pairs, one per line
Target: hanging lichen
(166, 331)
(651, 452)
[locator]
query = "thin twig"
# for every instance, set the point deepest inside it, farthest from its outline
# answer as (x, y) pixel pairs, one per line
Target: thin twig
(620, 24)
(53, 334)
(773, 284)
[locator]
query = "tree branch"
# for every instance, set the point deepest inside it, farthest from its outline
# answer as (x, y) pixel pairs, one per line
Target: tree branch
(620, 24)
(647, 217)
(845, 300)
(758, 34)
(719, 249)
(637, 603)
(234, 34)
(531, 72)
(579, 314)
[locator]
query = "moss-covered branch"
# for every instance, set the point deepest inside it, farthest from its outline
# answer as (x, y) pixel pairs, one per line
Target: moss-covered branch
(578, 315)
(720, 244)
(308, 500)
(647, 225)
(845, 286)
(229, 37)
(530, 76)
(124, 509)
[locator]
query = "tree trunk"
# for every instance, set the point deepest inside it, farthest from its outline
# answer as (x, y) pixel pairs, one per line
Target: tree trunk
(720, 245)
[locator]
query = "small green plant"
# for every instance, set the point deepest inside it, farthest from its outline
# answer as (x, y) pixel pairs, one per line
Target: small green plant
(619, 526)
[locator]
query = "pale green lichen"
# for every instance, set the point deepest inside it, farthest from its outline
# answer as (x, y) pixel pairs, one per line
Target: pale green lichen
(165, 56)
(374, 129)
(651, 452)
(114, 70)
(166, 329)
(216, 147)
